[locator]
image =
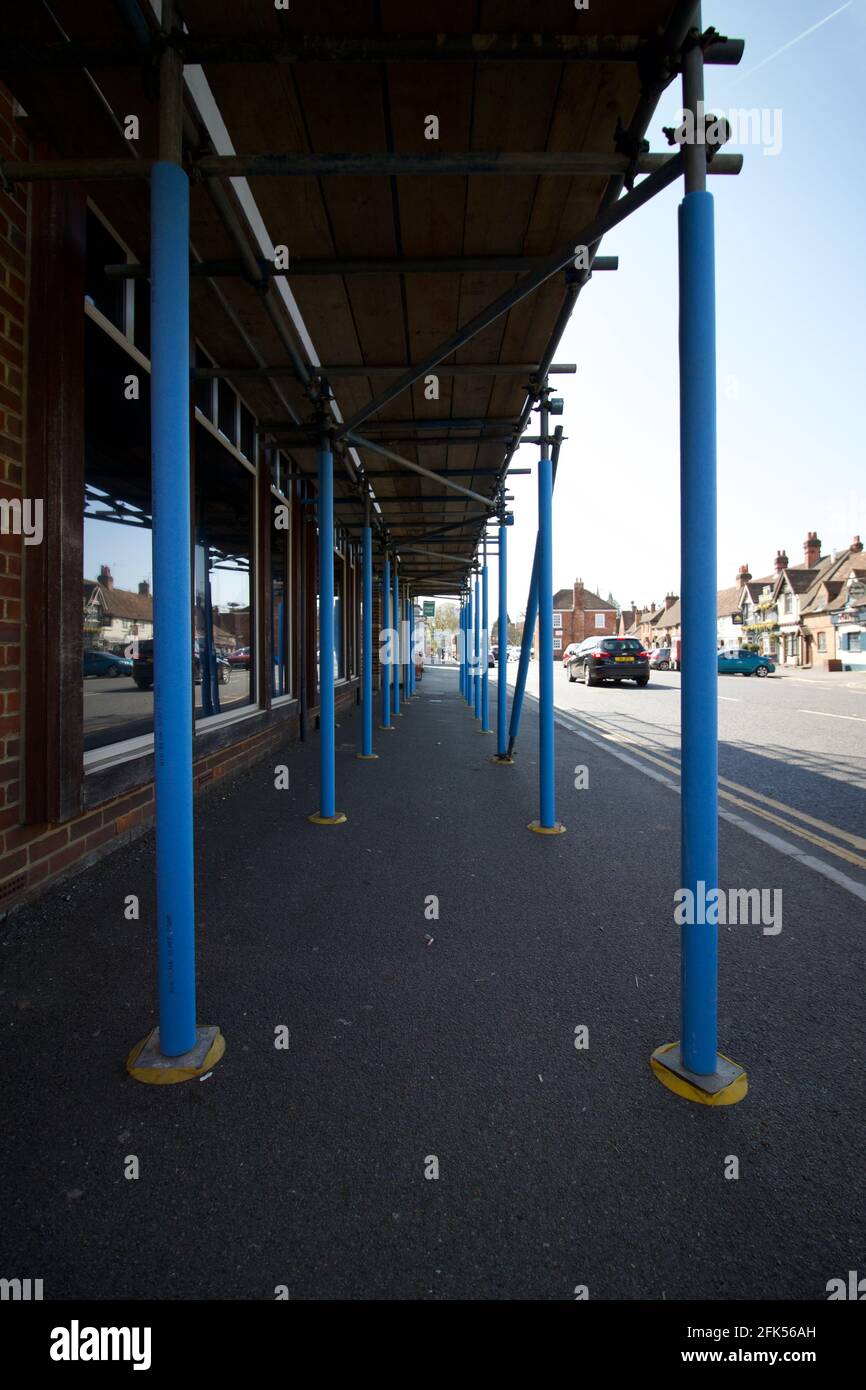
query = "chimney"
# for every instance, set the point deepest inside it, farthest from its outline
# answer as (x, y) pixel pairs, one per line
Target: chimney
(144, 589)
(105, 578)
(856, 545)
(743, 576)
(670, 600)
(782, 561)
(811, 550)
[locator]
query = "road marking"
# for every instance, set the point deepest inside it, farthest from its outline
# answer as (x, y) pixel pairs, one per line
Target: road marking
(828, 871)
(856, 840)
(858, 719)
(733, 699)
(856, 860)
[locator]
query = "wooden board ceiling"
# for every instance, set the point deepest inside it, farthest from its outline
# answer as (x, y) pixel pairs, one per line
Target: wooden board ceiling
(369, 107)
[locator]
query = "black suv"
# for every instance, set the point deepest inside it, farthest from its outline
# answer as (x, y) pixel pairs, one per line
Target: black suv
(609, 659)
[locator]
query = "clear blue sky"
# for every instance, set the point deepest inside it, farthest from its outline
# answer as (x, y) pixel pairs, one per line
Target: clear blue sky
(791, 289)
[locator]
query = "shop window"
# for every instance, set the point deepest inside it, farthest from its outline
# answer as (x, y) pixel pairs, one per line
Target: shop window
(247, 434)
(280, 605)
(106, 295)
(141, 302)
(223, 637)
(204, 391)
(117, 595)
(227, 407)
(339, 617)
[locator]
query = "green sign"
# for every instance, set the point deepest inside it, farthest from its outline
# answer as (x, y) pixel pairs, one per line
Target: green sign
(429, 608)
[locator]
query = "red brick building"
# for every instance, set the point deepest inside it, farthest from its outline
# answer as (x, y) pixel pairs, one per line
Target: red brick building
(578, 613)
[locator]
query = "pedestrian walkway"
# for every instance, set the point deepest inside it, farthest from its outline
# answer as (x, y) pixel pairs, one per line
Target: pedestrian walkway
(414, 1037)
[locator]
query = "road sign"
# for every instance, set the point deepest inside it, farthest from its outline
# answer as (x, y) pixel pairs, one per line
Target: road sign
(429, 608)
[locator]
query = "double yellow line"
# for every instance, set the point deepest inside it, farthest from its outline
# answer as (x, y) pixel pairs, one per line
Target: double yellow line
(757, 805)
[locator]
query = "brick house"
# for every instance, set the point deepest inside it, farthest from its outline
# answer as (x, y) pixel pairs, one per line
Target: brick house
(578, 613)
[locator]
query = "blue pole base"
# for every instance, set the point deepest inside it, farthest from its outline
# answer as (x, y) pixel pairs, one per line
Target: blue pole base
(725, 1086)
(338, 818)
(367, 757)
(484, 731)
(146, 1063)
(557, 829)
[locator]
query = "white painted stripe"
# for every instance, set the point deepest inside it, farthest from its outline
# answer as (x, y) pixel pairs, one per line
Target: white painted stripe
(828, 871)
(732, 699)
(825, 714)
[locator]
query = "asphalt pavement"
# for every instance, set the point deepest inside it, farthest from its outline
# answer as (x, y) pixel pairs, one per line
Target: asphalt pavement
(431, 960)
(792, 754)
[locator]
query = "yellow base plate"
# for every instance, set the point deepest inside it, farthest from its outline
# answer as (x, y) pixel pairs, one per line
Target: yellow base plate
(729, 1095)
(539, 829)
(502, 762)
(367, 757)
(317, 819)
(170, 1076)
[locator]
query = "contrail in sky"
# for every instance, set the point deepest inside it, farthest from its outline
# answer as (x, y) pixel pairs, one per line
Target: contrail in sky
(785, 46)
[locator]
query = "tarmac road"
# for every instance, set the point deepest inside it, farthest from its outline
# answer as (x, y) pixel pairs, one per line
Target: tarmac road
(792, 752)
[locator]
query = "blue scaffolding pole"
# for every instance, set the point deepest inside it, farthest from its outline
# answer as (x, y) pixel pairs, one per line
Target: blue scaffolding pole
(178, 1049)
(327, 813)
(366, 752)
(502, 663)
(476, 646)
(547, 823)
(398, 652)
(693, 1067)
(386, 645)
(485, 642)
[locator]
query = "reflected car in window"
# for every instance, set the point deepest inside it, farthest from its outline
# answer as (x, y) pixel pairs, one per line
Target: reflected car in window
(98, 663)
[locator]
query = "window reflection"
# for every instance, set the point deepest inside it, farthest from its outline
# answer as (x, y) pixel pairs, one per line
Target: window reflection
(223, 632)
(117, 625)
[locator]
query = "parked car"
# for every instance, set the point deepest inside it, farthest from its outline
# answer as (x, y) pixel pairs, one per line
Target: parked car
(492, 656)
(142, 667)
(660, 659)
(98, 663)
(739, 661)
(609, 659)
(568, 654)
(239, 659)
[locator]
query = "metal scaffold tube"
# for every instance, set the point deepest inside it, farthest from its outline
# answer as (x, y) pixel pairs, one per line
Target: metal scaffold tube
(327, 813)
(693, 1067)
(398, 652)
(547, 823)
(386, 645)
(367, 638)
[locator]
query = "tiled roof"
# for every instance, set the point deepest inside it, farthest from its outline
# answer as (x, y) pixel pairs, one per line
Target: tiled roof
(120, 603)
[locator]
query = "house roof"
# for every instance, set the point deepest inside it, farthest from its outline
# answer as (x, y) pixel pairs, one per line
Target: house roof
(120, 603)
(564, 599)
(670, 617)
(728, 601)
